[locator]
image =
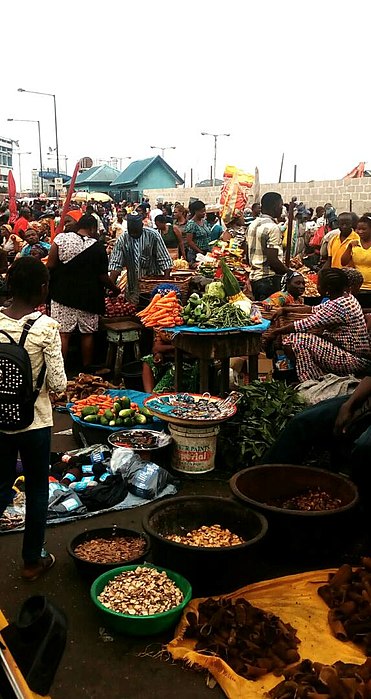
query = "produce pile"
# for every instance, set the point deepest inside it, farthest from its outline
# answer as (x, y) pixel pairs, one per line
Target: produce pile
(193, 407)
(348, 595)
(81, 387)
(162, 311)
(141, 592)
(263, 411)
(206, 537)
(117, 306)
(223, 306)
(310, 277)
(180, 264)
(253, 642)
(115, 550)
(111, 412)
(309, 680)
(310, 500)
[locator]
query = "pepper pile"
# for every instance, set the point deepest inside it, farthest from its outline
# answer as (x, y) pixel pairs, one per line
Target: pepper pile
(162, 311)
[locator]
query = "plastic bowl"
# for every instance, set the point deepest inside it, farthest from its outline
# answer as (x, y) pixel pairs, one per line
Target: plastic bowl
(213, 570)
(140, 625)
(92, 570)
(314, 533)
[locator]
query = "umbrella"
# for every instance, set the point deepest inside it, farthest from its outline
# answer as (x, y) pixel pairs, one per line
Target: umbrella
(90, 196)
(66, 204)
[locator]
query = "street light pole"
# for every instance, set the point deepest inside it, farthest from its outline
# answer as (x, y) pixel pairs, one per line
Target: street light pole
(48, 94)
(163, 149)
(215, 137)
(20, 168)
(35, 121)
(116, 159)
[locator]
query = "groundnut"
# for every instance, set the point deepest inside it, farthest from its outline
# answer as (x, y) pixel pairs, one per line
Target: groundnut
(204, 536)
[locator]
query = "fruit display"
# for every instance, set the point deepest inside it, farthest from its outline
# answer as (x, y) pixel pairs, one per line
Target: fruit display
(162, 311)
(109, 411)
(117, 306)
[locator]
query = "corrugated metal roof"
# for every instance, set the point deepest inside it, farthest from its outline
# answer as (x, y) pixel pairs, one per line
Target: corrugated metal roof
(98, 173)
(133, 171)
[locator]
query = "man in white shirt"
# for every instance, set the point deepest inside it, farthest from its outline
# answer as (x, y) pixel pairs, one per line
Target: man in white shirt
(156, 212)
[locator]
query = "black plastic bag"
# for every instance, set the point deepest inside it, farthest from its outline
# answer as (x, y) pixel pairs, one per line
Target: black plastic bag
(106, 494)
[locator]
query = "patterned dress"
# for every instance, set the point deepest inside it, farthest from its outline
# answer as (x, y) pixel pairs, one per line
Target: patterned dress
(343, 347)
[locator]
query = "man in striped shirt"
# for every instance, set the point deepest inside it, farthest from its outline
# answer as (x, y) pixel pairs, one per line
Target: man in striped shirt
(143, 252)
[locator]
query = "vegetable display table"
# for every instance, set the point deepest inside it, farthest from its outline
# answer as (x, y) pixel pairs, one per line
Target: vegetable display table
(218, 344)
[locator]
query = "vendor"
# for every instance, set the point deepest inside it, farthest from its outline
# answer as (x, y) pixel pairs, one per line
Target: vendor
(292, 290)
(358, 254)
(329, 425)
(158, 372)
(171, 236)
(197, 231)
(11, 243)
(142, 251)
(344, 345)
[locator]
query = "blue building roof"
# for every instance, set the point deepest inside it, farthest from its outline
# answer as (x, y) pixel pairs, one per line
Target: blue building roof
(98, 173)
(131, 174)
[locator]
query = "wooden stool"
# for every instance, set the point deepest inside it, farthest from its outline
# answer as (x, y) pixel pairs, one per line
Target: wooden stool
(120, 333)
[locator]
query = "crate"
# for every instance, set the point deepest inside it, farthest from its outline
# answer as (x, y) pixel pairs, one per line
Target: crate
(147, 284)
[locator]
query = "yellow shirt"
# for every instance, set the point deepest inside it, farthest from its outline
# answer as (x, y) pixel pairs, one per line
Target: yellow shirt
(336, 248)
(362, 261)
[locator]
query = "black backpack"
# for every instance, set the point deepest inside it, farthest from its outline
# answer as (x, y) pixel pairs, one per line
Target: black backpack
(17, 396)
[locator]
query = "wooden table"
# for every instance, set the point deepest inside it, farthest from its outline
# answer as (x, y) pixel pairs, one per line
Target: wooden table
(209, 346)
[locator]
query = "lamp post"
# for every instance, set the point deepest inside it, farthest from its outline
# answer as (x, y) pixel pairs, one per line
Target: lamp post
(35, 121)
(48, 94)
(215, 137)
(163, 149)
(19, 153)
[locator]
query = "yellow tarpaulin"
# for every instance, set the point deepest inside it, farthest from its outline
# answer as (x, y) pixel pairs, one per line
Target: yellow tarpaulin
(295, 600)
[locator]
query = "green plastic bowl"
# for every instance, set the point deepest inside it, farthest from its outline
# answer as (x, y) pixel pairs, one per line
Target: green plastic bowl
(140, 625)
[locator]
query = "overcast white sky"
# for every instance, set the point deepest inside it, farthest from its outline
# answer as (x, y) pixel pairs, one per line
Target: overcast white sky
(279, 76)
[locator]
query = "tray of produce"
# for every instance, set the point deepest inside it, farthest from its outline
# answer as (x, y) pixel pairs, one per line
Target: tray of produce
(288, 621)
(114, 410)
(192, 408)
(117, 306)
(140, 440)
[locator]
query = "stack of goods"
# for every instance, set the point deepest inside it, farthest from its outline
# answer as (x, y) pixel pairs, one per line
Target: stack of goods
(253, 642)
(141, 592)
(316, 680)
(82, 468)
(185, 406)
(118, 307)
(208, 268)
(79, 388)
(162, 311)
(348, 595)
(108, 411)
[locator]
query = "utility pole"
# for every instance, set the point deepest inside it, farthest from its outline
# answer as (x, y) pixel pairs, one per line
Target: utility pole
(215, 137)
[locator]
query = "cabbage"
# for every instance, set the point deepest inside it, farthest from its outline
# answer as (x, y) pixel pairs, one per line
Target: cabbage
(216, 289)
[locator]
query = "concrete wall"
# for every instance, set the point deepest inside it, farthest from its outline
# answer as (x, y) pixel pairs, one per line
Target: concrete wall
(338, 192)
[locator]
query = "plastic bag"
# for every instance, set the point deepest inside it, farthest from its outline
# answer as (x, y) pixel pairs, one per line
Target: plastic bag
(106, 494)
(121, 460)
(234, 192)
(64, 502)
(147, 480)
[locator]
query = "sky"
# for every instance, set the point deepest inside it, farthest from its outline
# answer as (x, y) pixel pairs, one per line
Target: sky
(280, 77)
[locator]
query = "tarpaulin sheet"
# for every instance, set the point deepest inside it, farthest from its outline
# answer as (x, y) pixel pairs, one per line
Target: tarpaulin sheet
(295, 600)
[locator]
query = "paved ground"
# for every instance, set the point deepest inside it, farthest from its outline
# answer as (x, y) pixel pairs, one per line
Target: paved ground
(90, 667)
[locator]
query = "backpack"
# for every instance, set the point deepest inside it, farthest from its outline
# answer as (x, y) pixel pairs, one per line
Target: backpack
(17, 396)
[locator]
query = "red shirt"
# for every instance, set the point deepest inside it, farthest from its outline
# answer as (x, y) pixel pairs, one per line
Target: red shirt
(21, 226)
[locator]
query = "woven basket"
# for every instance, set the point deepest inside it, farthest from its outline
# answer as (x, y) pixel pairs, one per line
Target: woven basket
(147, 284)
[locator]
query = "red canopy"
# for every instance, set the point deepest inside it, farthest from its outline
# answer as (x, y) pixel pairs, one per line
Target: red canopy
(358, 171)
(12, 200)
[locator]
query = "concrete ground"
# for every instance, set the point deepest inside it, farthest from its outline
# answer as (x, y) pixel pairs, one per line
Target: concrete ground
(92, 668)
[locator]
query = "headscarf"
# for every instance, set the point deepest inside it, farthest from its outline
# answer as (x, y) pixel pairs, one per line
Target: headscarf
(286, 279)
(75, 214)
(7, 226)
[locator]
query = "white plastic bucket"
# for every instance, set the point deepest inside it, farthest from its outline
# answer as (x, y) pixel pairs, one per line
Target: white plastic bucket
(193, 449)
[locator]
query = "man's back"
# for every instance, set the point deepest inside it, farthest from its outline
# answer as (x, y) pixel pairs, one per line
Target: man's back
(263, 233)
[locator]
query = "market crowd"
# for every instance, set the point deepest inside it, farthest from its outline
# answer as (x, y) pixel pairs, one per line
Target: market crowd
(57, 279)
